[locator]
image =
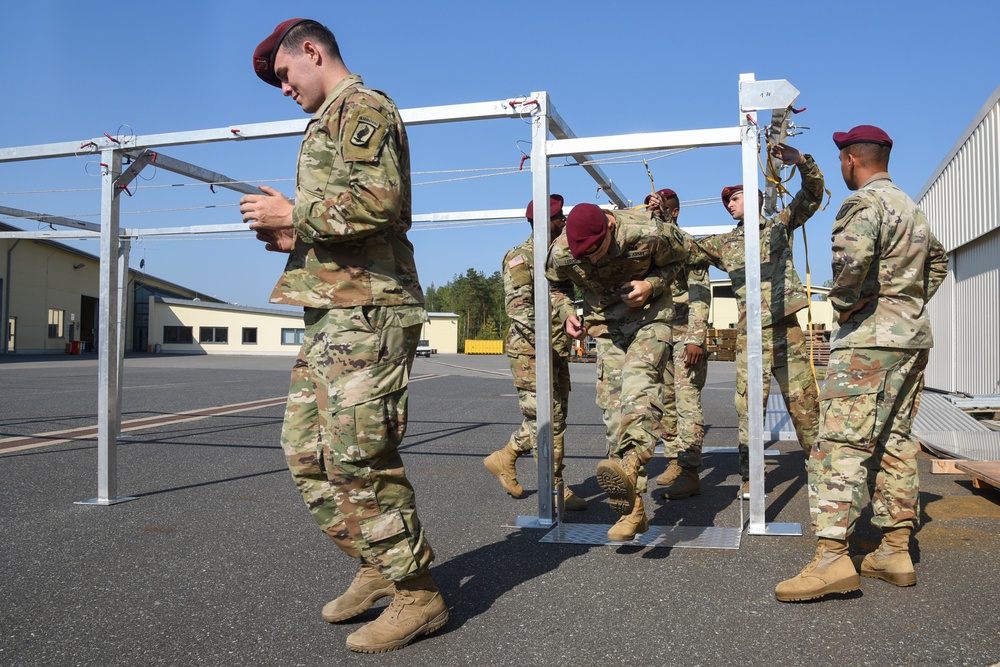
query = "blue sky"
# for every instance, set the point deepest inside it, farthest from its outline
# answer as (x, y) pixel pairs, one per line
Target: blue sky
(77, 70)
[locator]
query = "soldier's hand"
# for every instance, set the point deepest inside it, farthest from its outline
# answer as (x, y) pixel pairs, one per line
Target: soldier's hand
(574, 328)
(693, 354)
(269, 211)
(636, 293)
(281, 240)
(787, 154)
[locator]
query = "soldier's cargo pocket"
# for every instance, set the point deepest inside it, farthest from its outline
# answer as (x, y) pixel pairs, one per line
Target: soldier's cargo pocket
(848, 406)
(388, 544)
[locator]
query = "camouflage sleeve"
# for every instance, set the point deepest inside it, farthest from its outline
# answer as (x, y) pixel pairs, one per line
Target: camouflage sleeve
(935, 269)
(699, 300)
(855, 238)
(709, 250)
(366, 193)
(561, 291)
(518, 289)
(809, 197)
(669, 256)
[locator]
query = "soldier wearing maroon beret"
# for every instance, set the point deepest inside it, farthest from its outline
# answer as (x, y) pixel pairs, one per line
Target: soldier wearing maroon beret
(886, 267)
(518, 271)
(785, 353)
(350, 266)
(623, 262)
(685, 368)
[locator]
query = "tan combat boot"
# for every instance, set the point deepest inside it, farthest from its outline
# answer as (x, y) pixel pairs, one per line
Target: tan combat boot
(368, 587)
(501, 464)
(830, 571)
(573, 502)
(629, 525)
(618, 479)
(418, 609)
(670, 474)
(679, 481)
(891, 561)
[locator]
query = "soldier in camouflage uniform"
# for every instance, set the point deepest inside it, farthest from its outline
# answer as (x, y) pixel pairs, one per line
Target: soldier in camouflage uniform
(886, 267)
(518, 272)
(623, 262)
(785, 352)
(351, 267)
(685, 369)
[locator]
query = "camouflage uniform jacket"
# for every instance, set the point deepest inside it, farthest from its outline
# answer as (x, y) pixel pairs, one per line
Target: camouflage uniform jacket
(352, 207)
(886, 260)
(518, 272)
(782, 293)
(640, 249)
(691, 293)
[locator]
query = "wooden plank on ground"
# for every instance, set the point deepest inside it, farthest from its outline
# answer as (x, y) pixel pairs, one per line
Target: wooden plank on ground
(982, 472)
(945, 467)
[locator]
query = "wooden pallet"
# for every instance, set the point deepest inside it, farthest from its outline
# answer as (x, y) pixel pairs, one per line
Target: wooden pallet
(982, 472)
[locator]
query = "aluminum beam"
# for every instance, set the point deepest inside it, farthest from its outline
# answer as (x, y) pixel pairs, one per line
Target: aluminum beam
(48, 219)
(723, 136)
(284, 128)
(176, 166)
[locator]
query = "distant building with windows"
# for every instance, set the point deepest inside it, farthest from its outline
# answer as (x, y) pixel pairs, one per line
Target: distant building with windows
(50, 298)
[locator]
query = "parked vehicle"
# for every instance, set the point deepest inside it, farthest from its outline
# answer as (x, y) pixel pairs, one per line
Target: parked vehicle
(424, 348)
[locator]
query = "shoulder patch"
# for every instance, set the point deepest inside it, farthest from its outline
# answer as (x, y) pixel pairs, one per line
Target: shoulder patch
(365, 131)
(516, 261)
(844, 209)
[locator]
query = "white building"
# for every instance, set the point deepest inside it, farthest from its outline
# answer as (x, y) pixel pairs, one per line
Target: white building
(962, 202)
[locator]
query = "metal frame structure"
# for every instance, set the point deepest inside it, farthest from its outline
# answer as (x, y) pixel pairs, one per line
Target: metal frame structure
(142, 151)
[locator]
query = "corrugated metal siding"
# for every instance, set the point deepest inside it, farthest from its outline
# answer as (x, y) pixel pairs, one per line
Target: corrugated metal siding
(977, 316)
(963, 202)
(940, 372)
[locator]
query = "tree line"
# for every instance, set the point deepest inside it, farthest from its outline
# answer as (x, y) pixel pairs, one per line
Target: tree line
(478, 301)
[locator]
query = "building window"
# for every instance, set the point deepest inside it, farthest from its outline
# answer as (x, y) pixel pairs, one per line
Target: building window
(292, 336)
(249, 335)
(56, 323)
(213, 334)
(178, 335)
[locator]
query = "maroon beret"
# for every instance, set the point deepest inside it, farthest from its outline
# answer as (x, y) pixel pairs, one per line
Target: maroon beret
(263, 55)
(728, 192)
(555, 208)
(586, 227)
(665, 194)
(862, 134)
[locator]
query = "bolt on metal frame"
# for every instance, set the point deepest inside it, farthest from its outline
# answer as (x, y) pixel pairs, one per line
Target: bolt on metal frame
(115, 242)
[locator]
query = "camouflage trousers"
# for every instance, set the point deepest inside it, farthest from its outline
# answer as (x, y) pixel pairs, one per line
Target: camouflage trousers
(344, 421)
(869, 398)
(785, 355)
(683, 419)
(630, 391)
(525, 438)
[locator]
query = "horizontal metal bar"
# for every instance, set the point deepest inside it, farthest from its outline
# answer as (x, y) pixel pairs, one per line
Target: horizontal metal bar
(449, 216)
(273, 129)
(619, 143)
(197, 173)
(49, 219)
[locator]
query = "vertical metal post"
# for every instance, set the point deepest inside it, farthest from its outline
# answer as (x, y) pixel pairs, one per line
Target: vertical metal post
(124, 247)
(543, 317)
(109, 345)
(755, 366)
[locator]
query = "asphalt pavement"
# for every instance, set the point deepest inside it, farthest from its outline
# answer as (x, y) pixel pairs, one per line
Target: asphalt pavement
(217, 561)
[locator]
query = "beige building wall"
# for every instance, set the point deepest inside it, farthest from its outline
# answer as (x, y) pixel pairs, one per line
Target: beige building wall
(724, 313)
(43, 278)
(207, 320)
(441, 329)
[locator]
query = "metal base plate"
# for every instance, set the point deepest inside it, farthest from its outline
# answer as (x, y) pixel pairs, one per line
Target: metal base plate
(105, 501)
(528, 522)
(778, 529)
(691, 537)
